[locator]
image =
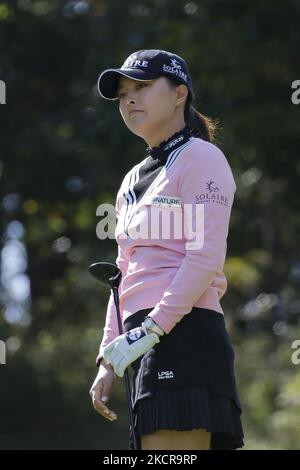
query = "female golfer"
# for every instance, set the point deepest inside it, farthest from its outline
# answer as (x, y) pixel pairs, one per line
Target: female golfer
(173, 210)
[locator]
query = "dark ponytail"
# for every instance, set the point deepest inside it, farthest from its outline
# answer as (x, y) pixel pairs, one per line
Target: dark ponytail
(200, 125)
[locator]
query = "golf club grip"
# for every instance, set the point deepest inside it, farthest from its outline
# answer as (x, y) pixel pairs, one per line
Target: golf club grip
(126, 376)
(128, 393)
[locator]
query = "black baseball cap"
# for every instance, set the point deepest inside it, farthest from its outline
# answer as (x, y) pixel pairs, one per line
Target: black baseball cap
(146, 64)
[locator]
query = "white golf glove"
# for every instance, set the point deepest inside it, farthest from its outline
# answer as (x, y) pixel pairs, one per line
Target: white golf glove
(126, 348)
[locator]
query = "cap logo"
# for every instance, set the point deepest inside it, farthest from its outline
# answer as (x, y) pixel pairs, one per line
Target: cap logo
(175, 68)
(175, 64)
(131, 63)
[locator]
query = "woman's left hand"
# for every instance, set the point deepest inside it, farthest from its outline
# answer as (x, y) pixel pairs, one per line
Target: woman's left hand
(126, 348)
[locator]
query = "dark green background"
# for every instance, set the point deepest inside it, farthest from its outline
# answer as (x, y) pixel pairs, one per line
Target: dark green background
(64, 151)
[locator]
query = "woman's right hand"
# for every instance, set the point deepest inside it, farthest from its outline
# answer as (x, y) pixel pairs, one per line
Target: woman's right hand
(101, 389)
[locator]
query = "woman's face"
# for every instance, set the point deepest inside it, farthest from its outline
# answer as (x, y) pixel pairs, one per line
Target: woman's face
(157, 103)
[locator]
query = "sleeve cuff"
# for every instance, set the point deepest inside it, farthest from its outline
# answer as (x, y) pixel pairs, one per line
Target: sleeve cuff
(160, 320)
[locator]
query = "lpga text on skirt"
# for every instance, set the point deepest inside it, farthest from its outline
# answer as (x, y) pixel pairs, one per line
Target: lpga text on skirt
(187, 381)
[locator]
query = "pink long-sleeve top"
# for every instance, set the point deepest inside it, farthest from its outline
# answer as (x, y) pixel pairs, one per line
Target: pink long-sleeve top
(173, 212)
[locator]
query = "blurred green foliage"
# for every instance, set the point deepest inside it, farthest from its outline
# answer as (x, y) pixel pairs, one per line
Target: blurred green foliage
(63, 151)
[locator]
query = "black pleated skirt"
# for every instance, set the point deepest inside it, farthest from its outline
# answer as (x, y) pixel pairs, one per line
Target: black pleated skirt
(187, 381)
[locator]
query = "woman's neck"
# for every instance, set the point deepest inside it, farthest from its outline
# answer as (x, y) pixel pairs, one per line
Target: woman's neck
(164, 135)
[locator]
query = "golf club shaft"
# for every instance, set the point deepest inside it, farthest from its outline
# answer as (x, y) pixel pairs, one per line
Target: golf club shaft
(126, 376)
(116, 299)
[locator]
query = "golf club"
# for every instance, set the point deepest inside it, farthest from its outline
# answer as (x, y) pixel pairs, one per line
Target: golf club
(109, 275)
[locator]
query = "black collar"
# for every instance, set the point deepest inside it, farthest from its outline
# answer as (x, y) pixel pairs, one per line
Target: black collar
(167, 146)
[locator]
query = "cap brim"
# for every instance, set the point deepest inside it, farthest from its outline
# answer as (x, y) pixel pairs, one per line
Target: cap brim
(108, 80)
